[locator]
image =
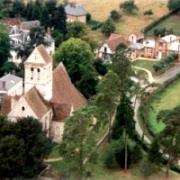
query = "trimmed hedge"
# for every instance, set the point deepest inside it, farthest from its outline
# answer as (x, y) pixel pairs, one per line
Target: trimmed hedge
(156, 22)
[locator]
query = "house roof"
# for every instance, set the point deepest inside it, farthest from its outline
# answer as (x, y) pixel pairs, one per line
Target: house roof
(64, 92)
(12, 21)
(9, 81)
(61, 111)
(75, 10)
(39, 106)
(169, 38)
(114, 40)
(28, 25)
(136, 46)
(150, 43)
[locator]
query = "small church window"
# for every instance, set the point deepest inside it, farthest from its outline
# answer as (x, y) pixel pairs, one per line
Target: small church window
(23, 108)
(38, 70)
(32, 69)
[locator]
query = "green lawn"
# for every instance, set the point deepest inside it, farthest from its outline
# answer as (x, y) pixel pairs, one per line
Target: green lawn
(147, 64)
(167, 99)
(172, 22)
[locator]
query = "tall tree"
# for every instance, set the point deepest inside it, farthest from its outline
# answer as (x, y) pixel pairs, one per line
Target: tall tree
(108, 27)
(78, 142)
(124, 124)
(108, 98)
(4, 46)
(78, 57)
(169, 138)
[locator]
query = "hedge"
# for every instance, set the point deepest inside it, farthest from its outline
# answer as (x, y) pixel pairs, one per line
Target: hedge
(156, 22)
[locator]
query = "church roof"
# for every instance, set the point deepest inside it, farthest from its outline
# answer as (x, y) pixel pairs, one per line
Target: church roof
(64, 92)
(39, 106)
(44, 58)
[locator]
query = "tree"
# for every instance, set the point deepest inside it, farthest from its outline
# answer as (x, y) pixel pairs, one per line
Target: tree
(173, 4)
(107, 99)
(169, 138)
(129, 6)
(115, 15)
(4, 46)
(78, 142)
(124, 124)
(23, 147)
(77, 56)
(122, 67)
(108, 27)
(18, 8)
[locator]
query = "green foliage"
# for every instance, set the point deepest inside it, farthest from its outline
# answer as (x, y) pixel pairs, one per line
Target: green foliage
(23, 147)
(164, 63)
(115, 154)
(115, 15)
(124, 119)
(78, 57)
(129, 6)
(108, 27)
(94, 24)
(78, 142)
(162, 32)
(4, 46)
(173, 4)
(148, 12)
(100, 67)
(88, 17)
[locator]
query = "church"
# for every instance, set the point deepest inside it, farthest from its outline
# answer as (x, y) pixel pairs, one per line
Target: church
(45, 94)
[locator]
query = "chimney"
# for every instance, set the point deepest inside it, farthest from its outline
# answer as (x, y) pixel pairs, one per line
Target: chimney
(4, 85)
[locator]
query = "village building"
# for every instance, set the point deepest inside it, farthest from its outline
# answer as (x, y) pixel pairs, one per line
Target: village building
(140, 46)
(19, 35)
(75, 12)
(48, 95)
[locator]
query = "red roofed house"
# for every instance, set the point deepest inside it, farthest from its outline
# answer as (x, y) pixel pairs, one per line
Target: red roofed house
(49, 96)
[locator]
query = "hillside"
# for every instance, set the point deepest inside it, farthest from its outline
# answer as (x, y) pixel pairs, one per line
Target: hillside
(100, 10)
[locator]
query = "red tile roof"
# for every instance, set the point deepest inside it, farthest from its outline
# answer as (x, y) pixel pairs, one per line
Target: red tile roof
(64, 92)
(61, 111)
(36, 102)
(46, 57)
(114, 40)
(12, 22)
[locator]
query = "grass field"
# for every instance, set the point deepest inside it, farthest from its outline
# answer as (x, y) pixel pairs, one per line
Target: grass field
(172, 22)
(144, 64)
(167, 99)
(100, 10)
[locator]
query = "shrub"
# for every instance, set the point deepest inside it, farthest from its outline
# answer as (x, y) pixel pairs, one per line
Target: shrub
(129, 6)
(94, 25)
(173, 4)
(115, 15)
(88, 17)
(108, 27)
(100, 67)
(148, 12)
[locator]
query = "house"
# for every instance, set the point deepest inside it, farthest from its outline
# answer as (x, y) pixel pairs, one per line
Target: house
(11, 85)
(48, 95)
(109, 47)
(75, 12)
(140, 46)
(19, 35)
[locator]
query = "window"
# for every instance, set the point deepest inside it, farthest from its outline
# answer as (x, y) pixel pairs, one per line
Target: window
(23, 108)
(105, 49)
(38, 70)
(32, 69)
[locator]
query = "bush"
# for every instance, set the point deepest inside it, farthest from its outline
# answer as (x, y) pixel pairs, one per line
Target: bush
(173, 4)
(115, 15)
(162, 32)
(88, 17)
(148, 12)
(95, 25)
(108, 27)
(100, 67)
(129, 6)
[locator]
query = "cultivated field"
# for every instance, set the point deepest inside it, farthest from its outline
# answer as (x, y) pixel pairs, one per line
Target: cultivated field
(100, 10)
